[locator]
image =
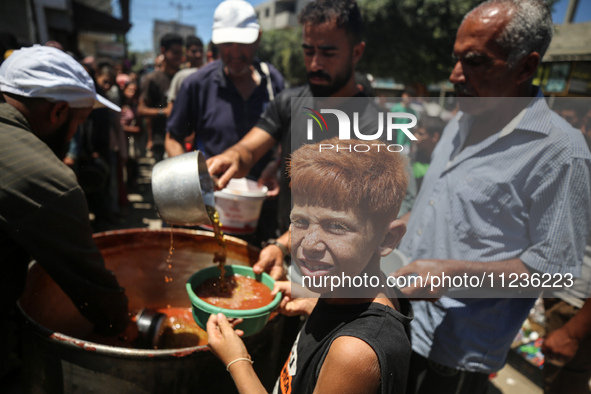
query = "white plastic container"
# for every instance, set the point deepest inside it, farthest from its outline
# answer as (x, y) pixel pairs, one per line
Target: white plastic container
(239, 205)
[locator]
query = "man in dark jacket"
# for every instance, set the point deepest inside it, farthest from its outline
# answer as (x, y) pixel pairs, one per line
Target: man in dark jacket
(43, 212)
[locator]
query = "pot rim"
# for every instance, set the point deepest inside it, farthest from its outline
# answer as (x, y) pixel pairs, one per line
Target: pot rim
(122, 352)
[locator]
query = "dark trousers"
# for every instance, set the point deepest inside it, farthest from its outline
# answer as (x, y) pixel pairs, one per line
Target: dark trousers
(427, 377)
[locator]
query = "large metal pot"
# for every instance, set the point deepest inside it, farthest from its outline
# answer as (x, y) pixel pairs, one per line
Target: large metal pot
(56, 360)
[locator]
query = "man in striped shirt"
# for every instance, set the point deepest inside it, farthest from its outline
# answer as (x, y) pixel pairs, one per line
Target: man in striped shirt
(507, 195)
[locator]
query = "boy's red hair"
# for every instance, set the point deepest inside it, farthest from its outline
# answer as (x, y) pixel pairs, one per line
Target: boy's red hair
(371, 183)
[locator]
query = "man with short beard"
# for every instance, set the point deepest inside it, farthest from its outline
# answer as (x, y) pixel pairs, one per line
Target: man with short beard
(332, 47)
(43, 212)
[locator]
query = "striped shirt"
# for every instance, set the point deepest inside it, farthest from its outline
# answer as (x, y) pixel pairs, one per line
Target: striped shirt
(524, 193)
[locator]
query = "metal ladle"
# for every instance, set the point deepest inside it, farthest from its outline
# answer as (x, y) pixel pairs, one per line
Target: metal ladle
(150, 325)
(182, 187)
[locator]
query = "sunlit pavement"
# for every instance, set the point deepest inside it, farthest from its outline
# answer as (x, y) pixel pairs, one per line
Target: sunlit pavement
(141, 211)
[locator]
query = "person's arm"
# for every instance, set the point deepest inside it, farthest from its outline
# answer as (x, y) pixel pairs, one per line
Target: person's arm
(131, 129)
(296, 300)
(562, 344)
(149, 112)
(351, 366)
(149, 133)
(559, 219)
(237, 160)
(272, 256)
(173, 147)
(169, 108)
(431, 271)
(269, 178)
(225, 343)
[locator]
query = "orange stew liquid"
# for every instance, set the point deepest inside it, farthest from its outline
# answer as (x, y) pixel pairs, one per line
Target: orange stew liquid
(239, 292)
(180, 330)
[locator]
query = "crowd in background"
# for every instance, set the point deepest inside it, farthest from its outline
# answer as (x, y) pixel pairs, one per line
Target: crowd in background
(105, 150)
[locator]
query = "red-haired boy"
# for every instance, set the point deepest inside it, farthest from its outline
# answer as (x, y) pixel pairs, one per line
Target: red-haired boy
(345, 204)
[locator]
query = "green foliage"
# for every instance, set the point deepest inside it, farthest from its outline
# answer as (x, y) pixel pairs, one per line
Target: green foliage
(408, 40)
(412, 40)
(283, 49)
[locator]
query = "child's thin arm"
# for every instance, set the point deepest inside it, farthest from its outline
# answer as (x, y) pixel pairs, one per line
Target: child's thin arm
(350, 366)
(245, 379)
(225, 343)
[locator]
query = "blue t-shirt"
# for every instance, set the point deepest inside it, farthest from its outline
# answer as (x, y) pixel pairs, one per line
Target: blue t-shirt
(209, 104)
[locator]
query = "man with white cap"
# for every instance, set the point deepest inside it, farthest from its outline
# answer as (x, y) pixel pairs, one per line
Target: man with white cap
(43, 212)
(223, 100)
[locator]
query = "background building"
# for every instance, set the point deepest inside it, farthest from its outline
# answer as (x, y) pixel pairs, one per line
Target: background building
(279, 14)
(83, 27)
(566, 68)
(162, 27)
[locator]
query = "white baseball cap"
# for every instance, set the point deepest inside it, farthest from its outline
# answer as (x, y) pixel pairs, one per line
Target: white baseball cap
(46, 72)
(235, 21)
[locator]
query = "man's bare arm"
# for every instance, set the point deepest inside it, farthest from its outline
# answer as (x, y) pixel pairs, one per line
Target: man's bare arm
(173, 147)
(236, 161)
(433, 269)
(562, 344)
(150, 112)
(271, 258)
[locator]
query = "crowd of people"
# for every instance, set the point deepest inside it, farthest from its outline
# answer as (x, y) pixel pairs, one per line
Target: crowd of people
(104, 151)
(497, 187)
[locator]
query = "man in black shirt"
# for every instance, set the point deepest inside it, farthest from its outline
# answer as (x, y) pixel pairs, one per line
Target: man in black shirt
(332, 47)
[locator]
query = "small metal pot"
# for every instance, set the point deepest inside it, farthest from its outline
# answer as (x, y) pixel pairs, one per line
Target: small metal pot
(150, 325)
(182, 188)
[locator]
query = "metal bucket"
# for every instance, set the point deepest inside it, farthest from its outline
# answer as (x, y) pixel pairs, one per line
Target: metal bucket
(57, 361)
(182, 188)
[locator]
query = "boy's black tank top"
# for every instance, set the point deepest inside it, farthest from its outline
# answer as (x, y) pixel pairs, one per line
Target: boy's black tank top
(383, 328)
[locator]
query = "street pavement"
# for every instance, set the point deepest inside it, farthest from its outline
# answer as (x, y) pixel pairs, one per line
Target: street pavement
(141, 211)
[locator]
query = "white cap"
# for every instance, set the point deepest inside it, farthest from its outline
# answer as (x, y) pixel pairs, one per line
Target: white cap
(235, 21)
(46, 72)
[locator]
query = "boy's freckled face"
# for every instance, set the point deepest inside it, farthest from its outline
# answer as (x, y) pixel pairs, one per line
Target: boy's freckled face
(329, 242)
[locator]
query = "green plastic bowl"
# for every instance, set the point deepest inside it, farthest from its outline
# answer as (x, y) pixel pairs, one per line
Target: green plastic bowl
(254, 319)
